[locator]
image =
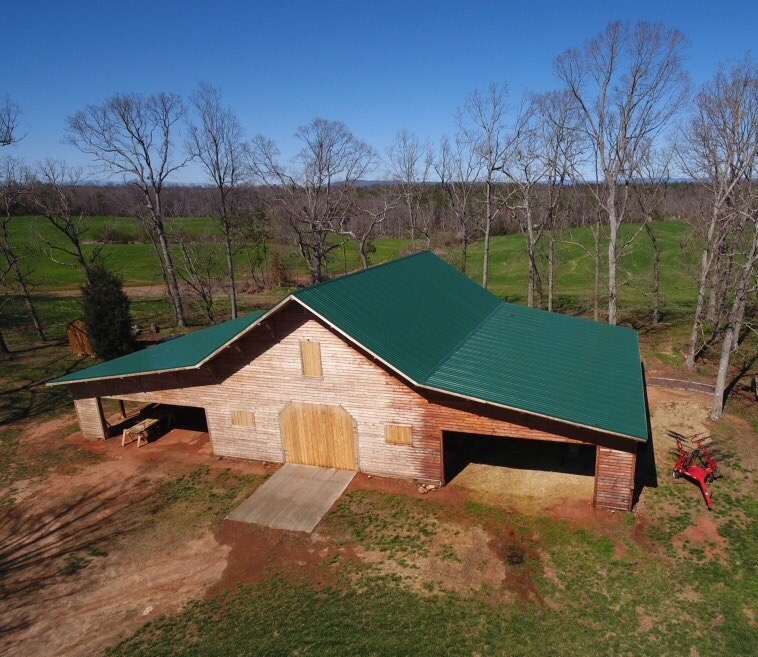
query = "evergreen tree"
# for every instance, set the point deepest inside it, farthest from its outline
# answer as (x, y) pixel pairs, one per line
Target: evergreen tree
(107, 314)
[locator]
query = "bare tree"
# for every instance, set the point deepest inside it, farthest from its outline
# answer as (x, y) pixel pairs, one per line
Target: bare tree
(371, 213)
(627, 83)
(482, 121)
(651, 193)
(525, 168)
(200, 266)
(314, 196)
(409, 164)
(719, 148)
(217, 140)
(560, 148)
(14, 185)
(9, 118)
(53, 198)
(132, 136)
(459, 168)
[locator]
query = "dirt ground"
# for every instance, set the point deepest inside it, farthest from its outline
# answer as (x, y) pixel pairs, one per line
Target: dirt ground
(522, 491)
(151, 570)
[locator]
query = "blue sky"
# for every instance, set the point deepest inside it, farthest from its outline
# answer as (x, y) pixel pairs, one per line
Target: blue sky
(378, 67)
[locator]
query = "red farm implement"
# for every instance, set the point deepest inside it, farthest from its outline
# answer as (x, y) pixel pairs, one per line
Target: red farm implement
(697, 461)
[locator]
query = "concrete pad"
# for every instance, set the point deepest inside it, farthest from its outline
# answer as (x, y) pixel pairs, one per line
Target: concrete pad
(295, 497)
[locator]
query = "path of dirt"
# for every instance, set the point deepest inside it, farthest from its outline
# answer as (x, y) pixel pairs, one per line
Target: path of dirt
(136, 576)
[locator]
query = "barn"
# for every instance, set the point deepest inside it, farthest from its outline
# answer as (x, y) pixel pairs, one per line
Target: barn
(387, 370)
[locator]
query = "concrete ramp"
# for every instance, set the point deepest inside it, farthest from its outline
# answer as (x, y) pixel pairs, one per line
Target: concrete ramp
(295, 497)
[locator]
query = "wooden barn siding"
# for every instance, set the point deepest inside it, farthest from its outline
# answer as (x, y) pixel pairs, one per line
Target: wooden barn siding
(373, 395)
(91, 420)
(614, 478)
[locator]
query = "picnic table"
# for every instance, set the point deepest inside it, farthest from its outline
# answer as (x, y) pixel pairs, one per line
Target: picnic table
(141, 430)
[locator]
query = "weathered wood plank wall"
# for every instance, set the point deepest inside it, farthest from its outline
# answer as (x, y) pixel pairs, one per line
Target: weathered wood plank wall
(614, 478)
(91, 419)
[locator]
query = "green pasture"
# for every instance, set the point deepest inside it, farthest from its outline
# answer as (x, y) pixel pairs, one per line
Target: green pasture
(138, 265)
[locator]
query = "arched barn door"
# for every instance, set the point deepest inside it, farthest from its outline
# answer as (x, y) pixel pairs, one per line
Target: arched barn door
(318, 434)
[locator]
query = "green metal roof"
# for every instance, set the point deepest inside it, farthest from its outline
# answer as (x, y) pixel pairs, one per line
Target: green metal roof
(554, 365)
(410, 312)
(441, 330)
(180, 353)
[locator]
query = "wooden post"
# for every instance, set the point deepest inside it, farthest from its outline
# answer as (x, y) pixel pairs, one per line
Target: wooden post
(122, 408)
(91, 419)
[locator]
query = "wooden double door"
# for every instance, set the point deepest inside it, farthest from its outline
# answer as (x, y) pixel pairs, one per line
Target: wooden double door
(319, 434)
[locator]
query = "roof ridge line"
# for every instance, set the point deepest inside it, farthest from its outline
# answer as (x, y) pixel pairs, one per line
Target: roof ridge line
(462, 341)
(361, 271)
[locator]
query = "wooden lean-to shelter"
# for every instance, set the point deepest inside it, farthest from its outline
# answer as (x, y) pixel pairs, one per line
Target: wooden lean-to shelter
(375, 370)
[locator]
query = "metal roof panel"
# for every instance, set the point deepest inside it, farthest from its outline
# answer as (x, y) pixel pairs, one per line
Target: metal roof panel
(554, 365)
(410, 312)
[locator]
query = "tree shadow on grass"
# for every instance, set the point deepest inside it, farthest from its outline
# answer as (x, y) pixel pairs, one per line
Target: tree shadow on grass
(34, 547)
(34, 397)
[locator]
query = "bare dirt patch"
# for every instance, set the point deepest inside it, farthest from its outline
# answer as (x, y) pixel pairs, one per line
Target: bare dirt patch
(683, 412)
(85, 560)
(704, 534)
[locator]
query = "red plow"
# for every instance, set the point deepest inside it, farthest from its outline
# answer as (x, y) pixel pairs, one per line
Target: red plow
(697, 460)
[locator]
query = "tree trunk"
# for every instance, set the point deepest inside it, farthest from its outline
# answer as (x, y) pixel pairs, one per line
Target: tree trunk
(656, 274)
(717, 407)
(362, 253)
(596, 289)
(173, 287)
(232, 281)
(487, 226)
(550, 270)
(612, 260)
(13, 261)
(532, 281)
(465, 252)
(733, 320)
(412, 221)
(3, 347)
(705, 265)
(33, 312)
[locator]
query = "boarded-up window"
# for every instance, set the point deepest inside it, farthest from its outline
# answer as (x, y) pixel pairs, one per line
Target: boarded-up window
(243, 418)
(399, 434)
(310, 354)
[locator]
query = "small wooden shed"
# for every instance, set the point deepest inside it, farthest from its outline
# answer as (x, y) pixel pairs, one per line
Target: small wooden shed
(78, 339)
(372, 372)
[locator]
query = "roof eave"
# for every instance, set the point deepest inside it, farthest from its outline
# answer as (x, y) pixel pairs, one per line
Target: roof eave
(579, 425)
(197, 365)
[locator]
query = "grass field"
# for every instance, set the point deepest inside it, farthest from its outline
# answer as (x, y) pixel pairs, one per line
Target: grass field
(138, 265)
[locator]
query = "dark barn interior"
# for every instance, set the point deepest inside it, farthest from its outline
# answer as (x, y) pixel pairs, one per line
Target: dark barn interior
(461, 449)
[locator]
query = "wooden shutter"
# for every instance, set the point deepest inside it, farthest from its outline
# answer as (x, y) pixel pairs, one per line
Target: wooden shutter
(310, 354)
(243, 418)
(399, 434)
